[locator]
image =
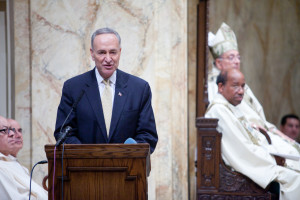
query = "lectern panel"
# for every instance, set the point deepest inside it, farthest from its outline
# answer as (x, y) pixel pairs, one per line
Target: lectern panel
(113, 172)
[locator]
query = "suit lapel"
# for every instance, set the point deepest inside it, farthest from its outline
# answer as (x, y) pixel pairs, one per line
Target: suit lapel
(121, 94)
(92, 92)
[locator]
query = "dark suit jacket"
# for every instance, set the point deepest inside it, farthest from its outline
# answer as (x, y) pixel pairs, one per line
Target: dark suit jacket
(132, 114)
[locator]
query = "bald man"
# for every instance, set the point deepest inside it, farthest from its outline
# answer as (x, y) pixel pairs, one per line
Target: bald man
(14, 178)
(243, 148)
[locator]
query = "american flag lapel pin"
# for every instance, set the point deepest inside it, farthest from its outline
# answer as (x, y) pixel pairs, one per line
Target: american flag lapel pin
(120, 94)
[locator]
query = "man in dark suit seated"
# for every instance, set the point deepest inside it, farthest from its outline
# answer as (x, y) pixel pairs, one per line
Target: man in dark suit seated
(109, 105)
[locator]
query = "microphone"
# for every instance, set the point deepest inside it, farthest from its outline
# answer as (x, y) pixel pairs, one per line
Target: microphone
(63, 136)
(40, 162)
(63, 124)
(130, 141)
(43, 162)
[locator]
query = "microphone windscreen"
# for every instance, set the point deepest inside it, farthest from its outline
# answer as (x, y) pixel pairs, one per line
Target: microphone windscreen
(43, 162)
(130, 141)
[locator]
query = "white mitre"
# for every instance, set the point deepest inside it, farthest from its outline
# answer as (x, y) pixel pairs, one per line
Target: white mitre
(223, 41)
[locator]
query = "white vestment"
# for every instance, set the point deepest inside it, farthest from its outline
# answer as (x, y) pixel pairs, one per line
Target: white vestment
(280, 144)
(15, 181)
(249, 103)
(246, 150)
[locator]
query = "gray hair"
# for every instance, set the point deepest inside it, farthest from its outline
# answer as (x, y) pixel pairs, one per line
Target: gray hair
(104, 31)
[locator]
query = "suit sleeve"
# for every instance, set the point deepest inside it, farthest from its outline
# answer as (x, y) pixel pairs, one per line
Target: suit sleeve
(146, 129)
(65, 112)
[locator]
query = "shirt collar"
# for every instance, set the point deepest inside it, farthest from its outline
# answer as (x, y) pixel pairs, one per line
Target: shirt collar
(112, 78)
(221, 99)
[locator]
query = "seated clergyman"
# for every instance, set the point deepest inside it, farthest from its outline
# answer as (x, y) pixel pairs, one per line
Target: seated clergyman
(224, 49)
(244, 148)
(14, 178)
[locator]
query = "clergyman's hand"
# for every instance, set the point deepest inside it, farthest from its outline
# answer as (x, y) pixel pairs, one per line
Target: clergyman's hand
(259, 128)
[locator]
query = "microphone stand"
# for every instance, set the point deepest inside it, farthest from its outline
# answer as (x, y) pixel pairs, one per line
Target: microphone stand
(40, 162)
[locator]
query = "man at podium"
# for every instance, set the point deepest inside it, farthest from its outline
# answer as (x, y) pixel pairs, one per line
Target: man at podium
(106, 105)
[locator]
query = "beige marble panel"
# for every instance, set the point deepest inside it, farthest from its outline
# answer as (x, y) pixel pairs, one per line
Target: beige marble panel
(192, 71)
(22, 77)
(268, 37)
(154, 43)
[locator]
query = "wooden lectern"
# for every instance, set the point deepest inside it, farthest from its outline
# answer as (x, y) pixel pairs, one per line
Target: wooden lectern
(99, 171)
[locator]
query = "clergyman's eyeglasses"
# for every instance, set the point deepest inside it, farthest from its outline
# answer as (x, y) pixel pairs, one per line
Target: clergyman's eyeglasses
(7, 129)
(231, 58)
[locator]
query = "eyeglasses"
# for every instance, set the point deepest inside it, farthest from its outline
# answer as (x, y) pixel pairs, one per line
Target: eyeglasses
(7, 129)
(232, 57)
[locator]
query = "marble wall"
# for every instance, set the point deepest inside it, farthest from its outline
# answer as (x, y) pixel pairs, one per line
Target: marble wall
(269, 43)
(23, 78)
(268, 37)
(52, 41)
(192, 71)
(52, 45)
